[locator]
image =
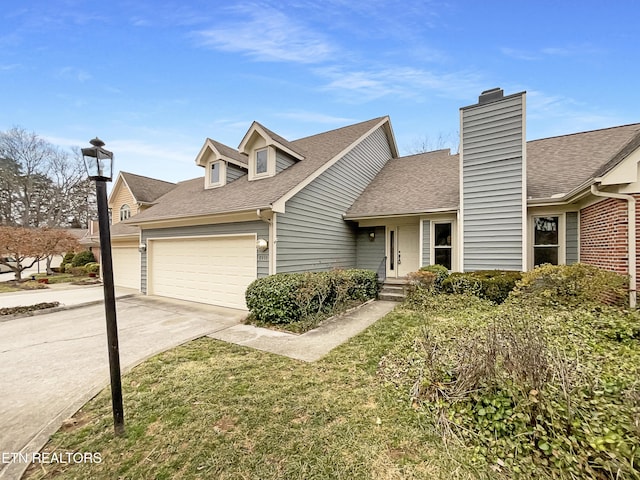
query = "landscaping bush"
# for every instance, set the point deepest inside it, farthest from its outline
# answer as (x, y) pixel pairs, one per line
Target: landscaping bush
(422, 281)
(82, 258)
(494, 285)
(441, 273)
(66, 260)
(286, 298)
(532, 391)
(572, 285)
(92, 267)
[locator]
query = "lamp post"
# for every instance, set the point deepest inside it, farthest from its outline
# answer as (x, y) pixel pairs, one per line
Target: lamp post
(99, 164)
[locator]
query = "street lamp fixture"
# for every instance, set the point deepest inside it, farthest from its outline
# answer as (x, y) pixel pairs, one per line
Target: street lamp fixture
(99, 164)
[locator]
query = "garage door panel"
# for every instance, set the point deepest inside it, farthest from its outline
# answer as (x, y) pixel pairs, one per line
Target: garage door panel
(213, 270)
(126, 266)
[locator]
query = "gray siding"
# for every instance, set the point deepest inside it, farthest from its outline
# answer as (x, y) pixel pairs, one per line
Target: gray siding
(426, 243)
(312, 235)
(369, 254)
(572, 244)
(493, 173)
(258, 227)
(283, 161)
(234, 172)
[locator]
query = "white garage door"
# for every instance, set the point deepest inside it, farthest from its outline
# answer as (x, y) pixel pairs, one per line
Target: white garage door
(214, 270)
(126, 266)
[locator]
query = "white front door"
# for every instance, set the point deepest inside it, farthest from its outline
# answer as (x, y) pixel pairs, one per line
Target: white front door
(402, 250)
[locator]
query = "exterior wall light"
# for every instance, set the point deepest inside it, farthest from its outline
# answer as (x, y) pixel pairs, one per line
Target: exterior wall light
(262, 245)
(142, 247)
(372, 236)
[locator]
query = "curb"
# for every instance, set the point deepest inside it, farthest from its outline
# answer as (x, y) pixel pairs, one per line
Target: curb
(61, 308)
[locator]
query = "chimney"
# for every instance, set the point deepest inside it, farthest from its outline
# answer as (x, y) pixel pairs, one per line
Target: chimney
(493, 206)
(490, 95)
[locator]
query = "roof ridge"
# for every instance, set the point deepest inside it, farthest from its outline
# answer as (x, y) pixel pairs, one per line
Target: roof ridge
(340, 128)
(146, 177)
(586, 131)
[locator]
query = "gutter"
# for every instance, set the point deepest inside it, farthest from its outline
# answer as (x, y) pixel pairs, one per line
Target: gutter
(631, 237)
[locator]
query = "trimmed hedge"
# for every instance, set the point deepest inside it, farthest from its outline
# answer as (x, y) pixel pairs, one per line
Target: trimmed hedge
(292, 297)
(82, 258)
(441, 273)
(494, 285)
(572, 285)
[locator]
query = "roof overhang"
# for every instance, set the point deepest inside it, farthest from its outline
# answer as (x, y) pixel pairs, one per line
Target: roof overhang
(246, 215)
(257, 130)
(209, 146)
(433, 211)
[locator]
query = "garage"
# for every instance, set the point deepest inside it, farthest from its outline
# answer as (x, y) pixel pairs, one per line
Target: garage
(126, 266)
(213, 270)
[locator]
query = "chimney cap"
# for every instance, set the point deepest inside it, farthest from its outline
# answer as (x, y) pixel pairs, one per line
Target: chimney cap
(491, 95)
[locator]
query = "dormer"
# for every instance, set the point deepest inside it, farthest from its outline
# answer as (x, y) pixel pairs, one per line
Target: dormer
(222, 164)
(267, 153)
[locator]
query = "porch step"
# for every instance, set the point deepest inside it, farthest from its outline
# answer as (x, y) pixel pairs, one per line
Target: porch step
(393, 290)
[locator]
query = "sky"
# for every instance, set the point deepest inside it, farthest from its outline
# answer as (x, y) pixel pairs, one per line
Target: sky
(154, 78)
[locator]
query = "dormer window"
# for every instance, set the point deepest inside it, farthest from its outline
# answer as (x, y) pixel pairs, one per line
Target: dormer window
(216, 174)
(125, 212)
(261, 161)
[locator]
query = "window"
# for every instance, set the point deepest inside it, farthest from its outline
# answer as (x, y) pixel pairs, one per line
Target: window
(125, 212)
(261, 161)
(546, 243)
(216, 174)
(442, 244)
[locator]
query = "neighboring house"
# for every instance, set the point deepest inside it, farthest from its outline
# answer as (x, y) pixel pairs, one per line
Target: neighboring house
(344, 198)
(131, 194)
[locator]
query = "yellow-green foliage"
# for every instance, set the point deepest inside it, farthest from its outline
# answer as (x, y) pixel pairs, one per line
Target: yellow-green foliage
(570, 285)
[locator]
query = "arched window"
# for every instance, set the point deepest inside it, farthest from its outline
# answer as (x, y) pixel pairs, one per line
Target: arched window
(125, 212)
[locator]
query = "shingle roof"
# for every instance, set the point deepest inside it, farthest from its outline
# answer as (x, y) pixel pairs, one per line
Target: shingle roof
(190, 198)
(555, 166)
(230, 152)
(413, 184)
(145, 189)
(558, 165)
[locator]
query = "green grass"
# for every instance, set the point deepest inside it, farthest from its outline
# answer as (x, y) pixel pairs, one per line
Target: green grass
(210, 409)
(8, 287)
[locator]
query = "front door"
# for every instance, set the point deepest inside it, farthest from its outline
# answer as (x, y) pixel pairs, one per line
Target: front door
(403, 250)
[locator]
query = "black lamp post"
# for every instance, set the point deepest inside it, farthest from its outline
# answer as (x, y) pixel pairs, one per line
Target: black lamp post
(99, 163)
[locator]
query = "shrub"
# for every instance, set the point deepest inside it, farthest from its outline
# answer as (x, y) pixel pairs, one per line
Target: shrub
(494, 285)
(422, 281)
(77, 271)
(66, 260)
(441, 273)
(82, 258)
(572, 285)
(286, 298)
(92, 267)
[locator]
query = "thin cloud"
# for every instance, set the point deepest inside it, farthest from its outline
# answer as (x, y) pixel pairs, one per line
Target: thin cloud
(268, 36)
(313, 117)
(73, 73)
(402, 82)
(542, 53)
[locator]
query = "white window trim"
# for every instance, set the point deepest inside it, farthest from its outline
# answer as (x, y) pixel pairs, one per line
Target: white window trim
(432, 242)
(271, 163)
(223, 174)
(123, 210)
(562, 236)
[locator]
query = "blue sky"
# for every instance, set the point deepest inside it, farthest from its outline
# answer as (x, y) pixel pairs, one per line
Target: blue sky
(153, 79)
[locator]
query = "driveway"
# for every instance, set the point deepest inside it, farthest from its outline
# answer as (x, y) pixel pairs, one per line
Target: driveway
(51, 364)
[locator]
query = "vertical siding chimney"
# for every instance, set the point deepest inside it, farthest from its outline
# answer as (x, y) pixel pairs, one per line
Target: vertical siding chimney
(493, 182)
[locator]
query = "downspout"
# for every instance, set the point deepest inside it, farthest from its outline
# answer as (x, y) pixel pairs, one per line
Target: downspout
(631, 236)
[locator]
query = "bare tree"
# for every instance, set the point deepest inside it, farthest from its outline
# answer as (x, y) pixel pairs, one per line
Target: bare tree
(428, 144)
(42, 185)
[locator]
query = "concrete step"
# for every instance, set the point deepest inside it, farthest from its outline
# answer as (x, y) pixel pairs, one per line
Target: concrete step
(391, 297)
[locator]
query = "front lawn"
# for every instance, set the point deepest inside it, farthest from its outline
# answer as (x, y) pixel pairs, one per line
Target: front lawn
(380, 406)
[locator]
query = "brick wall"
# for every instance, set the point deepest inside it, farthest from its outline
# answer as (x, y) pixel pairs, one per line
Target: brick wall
(603, 235)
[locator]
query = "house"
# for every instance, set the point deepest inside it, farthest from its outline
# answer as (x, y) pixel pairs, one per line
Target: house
(344, 198)
(131, 194)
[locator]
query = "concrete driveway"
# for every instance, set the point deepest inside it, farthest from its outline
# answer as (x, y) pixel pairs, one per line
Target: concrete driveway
(51, 364)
